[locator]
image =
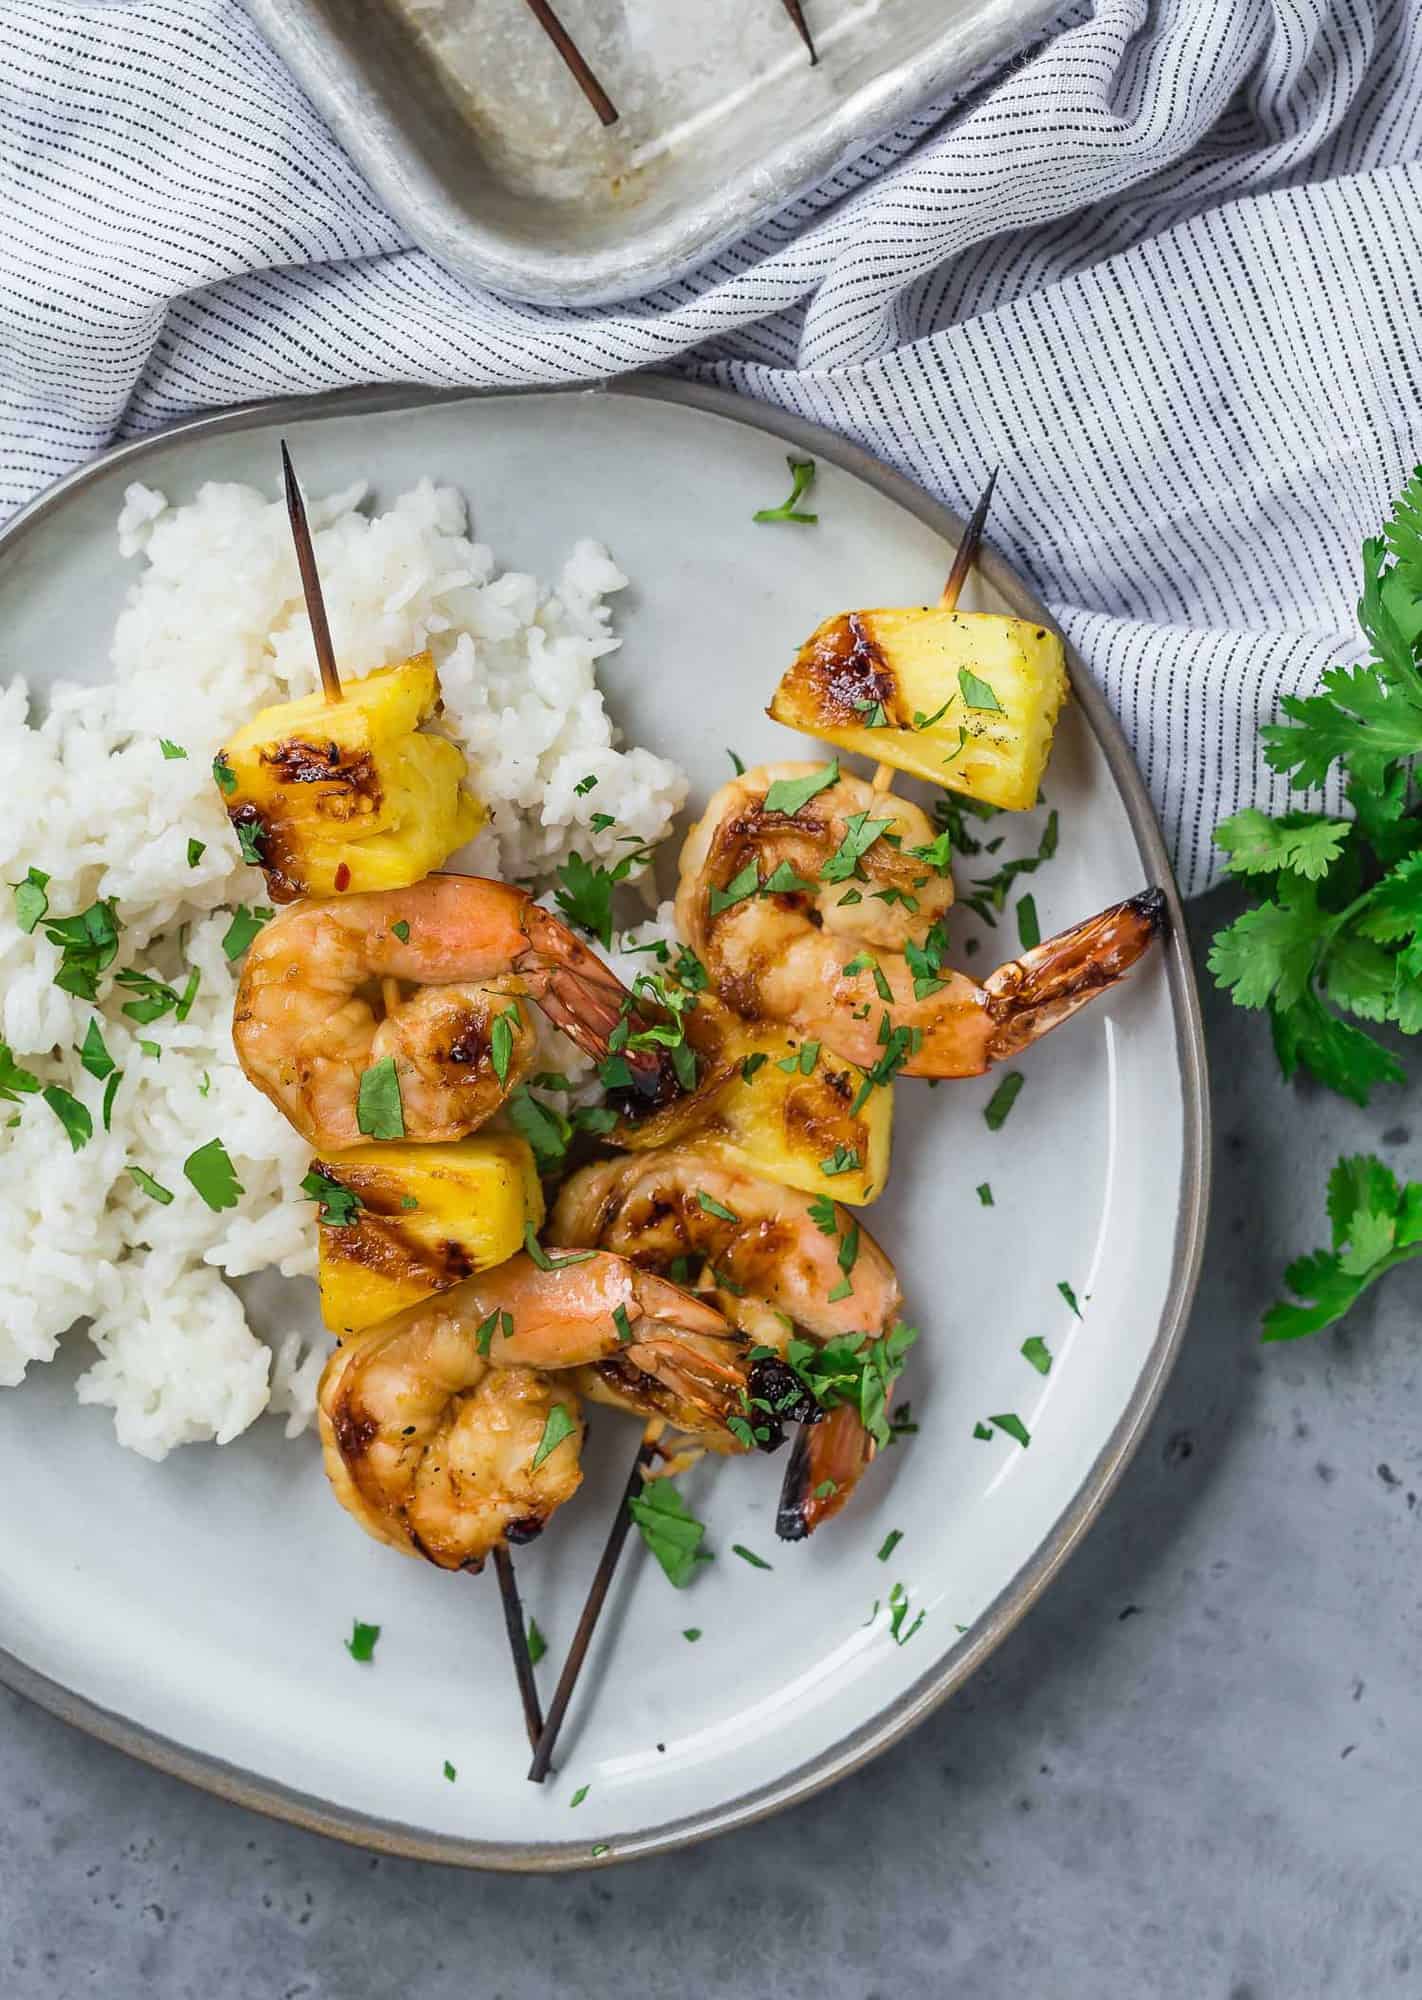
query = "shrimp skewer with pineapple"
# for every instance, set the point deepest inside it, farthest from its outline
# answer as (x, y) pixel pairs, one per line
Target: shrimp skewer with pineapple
(810, 894)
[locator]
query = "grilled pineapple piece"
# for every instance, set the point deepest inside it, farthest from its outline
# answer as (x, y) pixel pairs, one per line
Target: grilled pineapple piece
(349, 795)
(428, 1216)
(965, 699)
(777, 1105)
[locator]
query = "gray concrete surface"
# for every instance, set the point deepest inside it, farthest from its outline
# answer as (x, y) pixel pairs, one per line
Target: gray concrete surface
(1192, 1774)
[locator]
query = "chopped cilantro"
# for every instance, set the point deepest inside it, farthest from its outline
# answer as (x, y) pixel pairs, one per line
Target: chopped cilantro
(72, 1115)
(244, 927)
(14, 1081)
(537, 1644)
(692, 1633)
(985, 1194)
(361, 1644)
(1038, 1353)
(802, 474)
(1029, 931)
(213, 1175)
(749, 1555)
(1010, 1426)
(853, 1369)
(751, 1064)
(226, 777)
(982, 1430)
(579, 1795)
(741, 885)
(196, 850)
(251, 838)
(88, 944)
(93, 1052)
(1002, 1100)
(154, 1189)
(843, 1160)
(110, 1093)
(623, 1325)
(600, 822)
(561, 1424)
(977, 694)
(670, 1530)
(401, 930)
(736, 765)
(585, 785)
(171, 751)
(710, 1206)
(890, 1543)
(541, 1257)
(783, 881)
(898, 1612)
(824, 1215)
(787, 795)
(380, 1112)
(546, 1131)
(860, 834)
(922, 721)
(501, 1040)
(449, 1771)
(338, 1202)
(31, 901)
(1070, 1296)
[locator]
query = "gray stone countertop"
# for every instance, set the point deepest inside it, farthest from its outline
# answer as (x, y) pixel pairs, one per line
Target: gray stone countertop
(1193, 1773)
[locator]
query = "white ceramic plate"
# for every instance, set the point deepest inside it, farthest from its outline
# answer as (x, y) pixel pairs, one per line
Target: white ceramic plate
(194, 1612)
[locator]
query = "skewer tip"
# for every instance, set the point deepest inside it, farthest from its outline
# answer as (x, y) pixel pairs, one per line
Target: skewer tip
(802, 27)
(969, 546)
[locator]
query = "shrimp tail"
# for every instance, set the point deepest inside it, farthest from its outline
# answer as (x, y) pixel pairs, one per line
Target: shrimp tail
(705, 1377)
(826, 1464)
(587, 1000)
(1037, 992)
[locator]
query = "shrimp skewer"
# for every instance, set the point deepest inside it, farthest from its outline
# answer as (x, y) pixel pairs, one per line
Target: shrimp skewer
(836, 959)
(773, 1268)
(305, 1033)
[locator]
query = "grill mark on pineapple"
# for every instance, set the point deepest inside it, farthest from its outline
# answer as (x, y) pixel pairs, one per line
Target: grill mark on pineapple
(280, 854)
(378, 1244)
(350, 786)
(841, 671)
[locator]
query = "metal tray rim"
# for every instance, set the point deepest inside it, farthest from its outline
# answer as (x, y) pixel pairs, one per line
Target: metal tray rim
(366, 124)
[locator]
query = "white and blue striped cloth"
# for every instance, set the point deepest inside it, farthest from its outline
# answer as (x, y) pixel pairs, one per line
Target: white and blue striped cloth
(1164, 270)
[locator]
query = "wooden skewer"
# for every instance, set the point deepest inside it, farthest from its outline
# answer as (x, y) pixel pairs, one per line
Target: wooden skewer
(568, 49)
(310, 581)
(953, 589)
(518, 1645)
(592, 1610)
(797, 15)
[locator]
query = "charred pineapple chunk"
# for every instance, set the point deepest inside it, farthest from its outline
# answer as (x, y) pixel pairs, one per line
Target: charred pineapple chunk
(349, 795)
(965, 699)
(778, 1105)
(422, 1218)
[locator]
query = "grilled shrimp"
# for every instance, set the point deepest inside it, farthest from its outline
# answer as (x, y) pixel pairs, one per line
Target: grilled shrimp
(432, 1448)
(305, 1032)
(773, 1269)
(420, 1473)
(815, 955)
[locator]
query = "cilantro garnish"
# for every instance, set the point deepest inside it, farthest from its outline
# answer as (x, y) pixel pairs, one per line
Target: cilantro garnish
(561, 1424)
(977, 693)
(1069, 1295)
(88, 944)
(752, 1063)
(153, 1189)
(1002, 1100)
(449, 1771)
(14, 1081)
(585, 785)
(196, 850)
(31, 901)
(736, 765)
(541, 1257)
(1029, 931)
(843, 1160)
(783, 881)
(854, 1369)
(72, 1115)
(251, 838)
(546, 1131)
(985, 1194)
(787, 795)
(581, 1793)
(497, 1322)
(226, 777)
(898, 1612)
(213, 1175)
(1009, 1425)
(537, 1644)
(623, 1325)
(1376, 1224)
(156, 997)
(670, 1530)
(501, 1041)
(922, 721)
(401, 930)
(890, 1543)
(710, 1206)
(361, 1644)
(338, 1202)
(171, 751)
(600, 822)
(802, 474)
(824, 1215)
(1038, 1353)
(380, 1113)
(244, 927)
(750, 1556)
(110, 1093)
(859, 836)
(692, 1634)
(741, 885)
(584, 891)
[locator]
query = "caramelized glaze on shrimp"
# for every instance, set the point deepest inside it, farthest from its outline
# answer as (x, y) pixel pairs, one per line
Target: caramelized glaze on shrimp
(773, 1269)
(305, 1032)
(814, 956)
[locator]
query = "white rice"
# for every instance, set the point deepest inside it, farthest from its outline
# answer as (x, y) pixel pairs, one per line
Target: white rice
(212, 630)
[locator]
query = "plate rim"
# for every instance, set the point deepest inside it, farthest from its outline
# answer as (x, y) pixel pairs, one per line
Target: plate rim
(898, 1717)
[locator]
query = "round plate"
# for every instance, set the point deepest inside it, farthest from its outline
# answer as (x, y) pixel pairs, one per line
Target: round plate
(194, 1612)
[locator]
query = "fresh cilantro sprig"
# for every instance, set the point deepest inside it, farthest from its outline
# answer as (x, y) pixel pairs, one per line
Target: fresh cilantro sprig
(1376, 1224)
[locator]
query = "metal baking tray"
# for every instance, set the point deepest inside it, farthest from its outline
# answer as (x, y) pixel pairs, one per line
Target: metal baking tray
(473, 134)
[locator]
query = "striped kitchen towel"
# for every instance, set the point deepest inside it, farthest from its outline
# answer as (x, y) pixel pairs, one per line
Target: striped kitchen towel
(1163, 268)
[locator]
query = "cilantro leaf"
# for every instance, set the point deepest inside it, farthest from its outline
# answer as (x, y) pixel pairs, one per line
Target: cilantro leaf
(153, 1189)
(243, 928)
(1036, 1350)
(338, 1202)
(31, 901)
(670, 1530)
(1268, 954)
(1002, 1100)
(213, 1175)
(547, 1132)
(72, 1115)
(560, 1424)
(380, 1113)
(361, 1644)
(15, 1082)
(977, 694)
(787, 795)
(1375, 1225)
(802, 476)
(1299, 843)
(860, 834)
